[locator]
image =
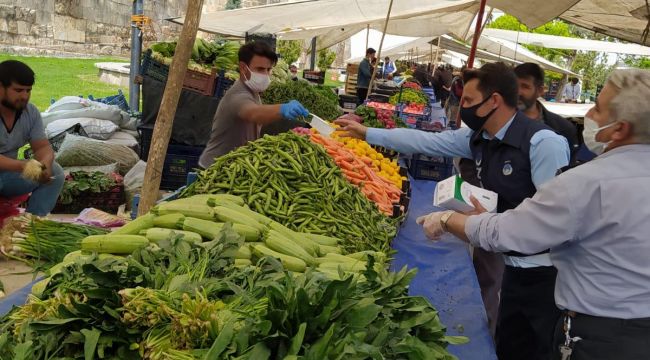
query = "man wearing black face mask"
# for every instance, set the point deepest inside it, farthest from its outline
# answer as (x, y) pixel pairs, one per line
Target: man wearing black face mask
(513, 156)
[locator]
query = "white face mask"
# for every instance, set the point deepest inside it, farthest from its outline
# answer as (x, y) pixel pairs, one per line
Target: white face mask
(258, 82)
(589, 134)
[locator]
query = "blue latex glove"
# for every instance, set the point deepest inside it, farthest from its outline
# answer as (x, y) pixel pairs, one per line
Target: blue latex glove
(292, 110)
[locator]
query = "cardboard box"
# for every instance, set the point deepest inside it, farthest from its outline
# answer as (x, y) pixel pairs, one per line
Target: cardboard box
(454, 194)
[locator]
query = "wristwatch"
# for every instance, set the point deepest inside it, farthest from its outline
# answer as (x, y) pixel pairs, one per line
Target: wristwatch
(444, 219)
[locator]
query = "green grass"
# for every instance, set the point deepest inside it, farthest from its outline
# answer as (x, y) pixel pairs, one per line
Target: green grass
(58, 77)
(329, 82)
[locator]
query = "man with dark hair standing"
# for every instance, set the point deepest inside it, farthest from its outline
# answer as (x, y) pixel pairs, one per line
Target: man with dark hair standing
(241, 113)
(364, 75)
(22, 124)
(513, 156)
(530, 77)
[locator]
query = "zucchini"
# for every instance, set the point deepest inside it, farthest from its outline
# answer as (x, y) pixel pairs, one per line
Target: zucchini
(210, 230)
(156, 235)
(242, 263)
(229, 215)
(169, 221)
(322, 239)
(288, 247)
(135, 226)
(199, 211)
(310, 246)
(114, 244)
(243, 252)
(345, 266)
(324, 249)
(248, 212)
(289, 262)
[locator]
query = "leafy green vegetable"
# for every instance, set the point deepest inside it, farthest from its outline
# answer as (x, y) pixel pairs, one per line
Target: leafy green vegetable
(317, 99)
(408, 95)
(81, 181)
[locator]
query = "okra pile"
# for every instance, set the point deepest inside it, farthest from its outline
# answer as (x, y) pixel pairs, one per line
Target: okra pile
(294, 182)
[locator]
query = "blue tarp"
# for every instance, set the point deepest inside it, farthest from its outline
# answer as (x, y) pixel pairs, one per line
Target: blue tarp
(445, 277)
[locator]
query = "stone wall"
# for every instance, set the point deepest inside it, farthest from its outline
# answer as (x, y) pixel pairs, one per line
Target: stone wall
(97, 27)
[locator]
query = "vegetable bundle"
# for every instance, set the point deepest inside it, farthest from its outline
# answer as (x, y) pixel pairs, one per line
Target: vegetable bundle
(43, 243)
(409, 96)
(359, 172)
(317, 99)
(183, 300)
(296, 183)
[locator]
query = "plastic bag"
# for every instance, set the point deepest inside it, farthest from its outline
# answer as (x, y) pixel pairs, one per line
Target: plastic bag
(105, 169)
(123, 138)
(95, 217)
(82, 151)
(133, 181)
(95, 128)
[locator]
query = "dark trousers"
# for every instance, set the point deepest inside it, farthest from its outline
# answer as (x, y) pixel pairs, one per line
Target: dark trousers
(605, 338)
(527, 314)
(489, 272)
(362, 93)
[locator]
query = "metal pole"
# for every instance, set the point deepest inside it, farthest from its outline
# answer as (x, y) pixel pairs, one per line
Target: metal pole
(367, 35)
(381, 44)
(477, 34)
(312, 66)
(136, 52)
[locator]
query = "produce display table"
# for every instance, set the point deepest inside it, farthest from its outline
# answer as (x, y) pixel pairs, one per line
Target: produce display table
(445, 277)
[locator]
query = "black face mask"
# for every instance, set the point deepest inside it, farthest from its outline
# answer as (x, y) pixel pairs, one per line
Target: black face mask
(473, 121)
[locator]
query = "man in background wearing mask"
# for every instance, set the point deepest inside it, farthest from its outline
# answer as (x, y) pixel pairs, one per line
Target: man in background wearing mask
(240, 113)
(513, 156)
(594, 218)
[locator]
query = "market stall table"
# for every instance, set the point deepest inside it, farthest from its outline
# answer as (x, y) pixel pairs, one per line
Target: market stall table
(445, 277)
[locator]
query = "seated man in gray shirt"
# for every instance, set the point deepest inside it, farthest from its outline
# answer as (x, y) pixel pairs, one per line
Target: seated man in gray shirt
(595, 220)
(22, 124)
(240, 113)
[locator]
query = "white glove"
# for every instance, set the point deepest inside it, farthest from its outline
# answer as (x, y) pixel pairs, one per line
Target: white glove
(431, 224)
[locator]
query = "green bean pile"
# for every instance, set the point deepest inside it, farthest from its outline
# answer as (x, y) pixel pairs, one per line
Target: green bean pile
(296, 183)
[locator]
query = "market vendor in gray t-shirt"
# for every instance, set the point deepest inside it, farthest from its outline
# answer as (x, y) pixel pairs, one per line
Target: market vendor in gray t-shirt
(241, 114)
(22, 124)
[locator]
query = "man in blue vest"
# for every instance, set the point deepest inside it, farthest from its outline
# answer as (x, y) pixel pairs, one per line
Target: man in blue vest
(513, 156)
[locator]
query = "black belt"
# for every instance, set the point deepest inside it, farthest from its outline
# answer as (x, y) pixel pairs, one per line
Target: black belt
(518, 254)
(577, 315)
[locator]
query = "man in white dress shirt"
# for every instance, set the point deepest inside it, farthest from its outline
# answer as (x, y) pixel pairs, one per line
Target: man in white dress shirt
(595, 220)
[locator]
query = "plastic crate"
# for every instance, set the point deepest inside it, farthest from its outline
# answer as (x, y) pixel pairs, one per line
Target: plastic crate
(57, 140)
(348, 102)
(180, 160)
(430, 168)
(153, 68)
(202, 83)
(108, 201)
(223, 84)
(118, 100)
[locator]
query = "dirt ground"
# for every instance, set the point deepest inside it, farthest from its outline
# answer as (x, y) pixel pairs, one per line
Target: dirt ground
(14, 274)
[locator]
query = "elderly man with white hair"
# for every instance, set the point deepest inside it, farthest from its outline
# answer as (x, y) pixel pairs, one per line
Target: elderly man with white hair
(596, 220)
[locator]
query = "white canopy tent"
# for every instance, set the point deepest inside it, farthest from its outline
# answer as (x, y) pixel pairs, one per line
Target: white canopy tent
(336, 20)
(490, 49)
(563, 42)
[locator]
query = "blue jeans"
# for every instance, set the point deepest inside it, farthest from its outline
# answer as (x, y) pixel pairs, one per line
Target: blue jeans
(43, 197)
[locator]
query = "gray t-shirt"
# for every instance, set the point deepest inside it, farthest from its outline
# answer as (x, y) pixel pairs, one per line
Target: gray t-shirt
(229, 131)
(28, 127)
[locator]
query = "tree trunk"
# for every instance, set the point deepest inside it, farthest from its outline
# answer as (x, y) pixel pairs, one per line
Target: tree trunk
(163, 128)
